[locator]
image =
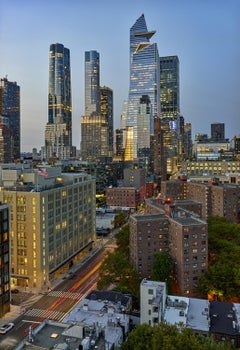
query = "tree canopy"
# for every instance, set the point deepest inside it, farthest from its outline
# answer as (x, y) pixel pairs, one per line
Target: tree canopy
(116, 270)
(162, 268)
(169, 337)
(222, 278)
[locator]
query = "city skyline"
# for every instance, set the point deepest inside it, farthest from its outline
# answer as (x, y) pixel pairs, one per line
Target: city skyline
(203, 36)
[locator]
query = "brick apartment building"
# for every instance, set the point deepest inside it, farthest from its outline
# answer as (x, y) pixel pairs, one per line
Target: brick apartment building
(216, 199)
(177, 230)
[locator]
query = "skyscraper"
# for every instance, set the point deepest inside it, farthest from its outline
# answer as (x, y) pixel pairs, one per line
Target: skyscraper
(106, 108)
(97, 123)
(144, 76)
(58, 132)
(169, 85)
(92, 83)
(172, 123)
(10, 108)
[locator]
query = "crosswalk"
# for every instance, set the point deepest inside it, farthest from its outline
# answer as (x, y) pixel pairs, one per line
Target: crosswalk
(49, 314)
(62, 294)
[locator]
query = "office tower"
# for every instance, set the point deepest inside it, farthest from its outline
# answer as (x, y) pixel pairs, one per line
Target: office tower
(4, 259)
(144, 76)
(217, 132)
(97, 123)
(58, 131)
(187, 140)
(10, 108)
(171, 121)
(92, 83)
(52, 221)
(169, 86)
(106, 108)
(94, 131)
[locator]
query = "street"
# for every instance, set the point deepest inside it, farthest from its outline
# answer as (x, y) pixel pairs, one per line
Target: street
(58, 302)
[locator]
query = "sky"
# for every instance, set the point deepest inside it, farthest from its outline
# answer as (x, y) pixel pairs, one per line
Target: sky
(204, 34)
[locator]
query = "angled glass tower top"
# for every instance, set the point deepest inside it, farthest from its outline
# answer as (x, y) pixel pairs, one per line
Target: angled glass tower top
(144, 75)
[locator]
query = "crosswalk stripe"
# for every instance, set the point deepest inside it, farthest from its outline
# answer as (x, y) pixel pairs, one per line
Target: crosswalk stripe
(45, 313)
(63, 294)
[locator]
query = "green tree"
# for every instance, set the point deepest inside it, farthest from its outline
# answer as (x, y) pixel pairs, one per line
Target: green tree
(117, 271)
(120, 219)
(169, 337)
(162, 269)
(222, 277)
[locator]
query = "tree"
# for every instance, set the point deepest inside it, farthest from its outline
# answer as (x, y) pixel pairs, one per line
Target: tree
(222, 278)
(116, 269)
(120, 219)
(169, 337)
(162, 268)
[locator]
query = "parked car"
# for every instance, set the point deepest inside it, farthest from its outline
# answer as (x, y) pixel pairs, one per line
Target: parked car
(6, 328)
(15, 291)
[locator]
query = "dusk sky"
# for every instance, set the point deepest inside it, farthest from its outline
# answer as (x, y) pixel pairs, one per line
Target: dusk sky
(204, 34)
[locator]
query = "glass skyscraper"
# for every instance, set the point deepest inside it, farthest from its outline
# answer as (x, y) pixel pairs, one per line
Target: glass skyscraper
(106, 107)
(92, 83)
(169, 85)
(97, 123)
(58, 132)
(144, 76)
(10, 109)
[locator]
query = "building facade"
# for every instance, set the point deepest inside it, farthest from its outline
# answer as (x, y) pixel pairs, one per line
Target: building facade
(52, 222)
(10, 108)
(6, 141)
(58, 131)
(5, 260)
(149, 236)
(218, 132)
(188, 248)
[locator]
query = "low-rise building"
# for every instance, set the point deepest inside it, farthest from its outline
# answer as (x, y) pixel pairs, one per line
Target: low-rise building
(127, 198)
(219, 319)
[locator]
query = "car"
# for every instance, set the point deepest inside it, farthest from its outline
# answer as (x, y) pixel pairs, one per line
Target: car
(15, 291)
(6, 328)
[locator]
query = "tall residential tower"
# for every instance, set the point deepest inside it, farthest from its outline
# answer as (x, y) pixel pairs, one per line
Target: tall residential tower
(58, 132)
